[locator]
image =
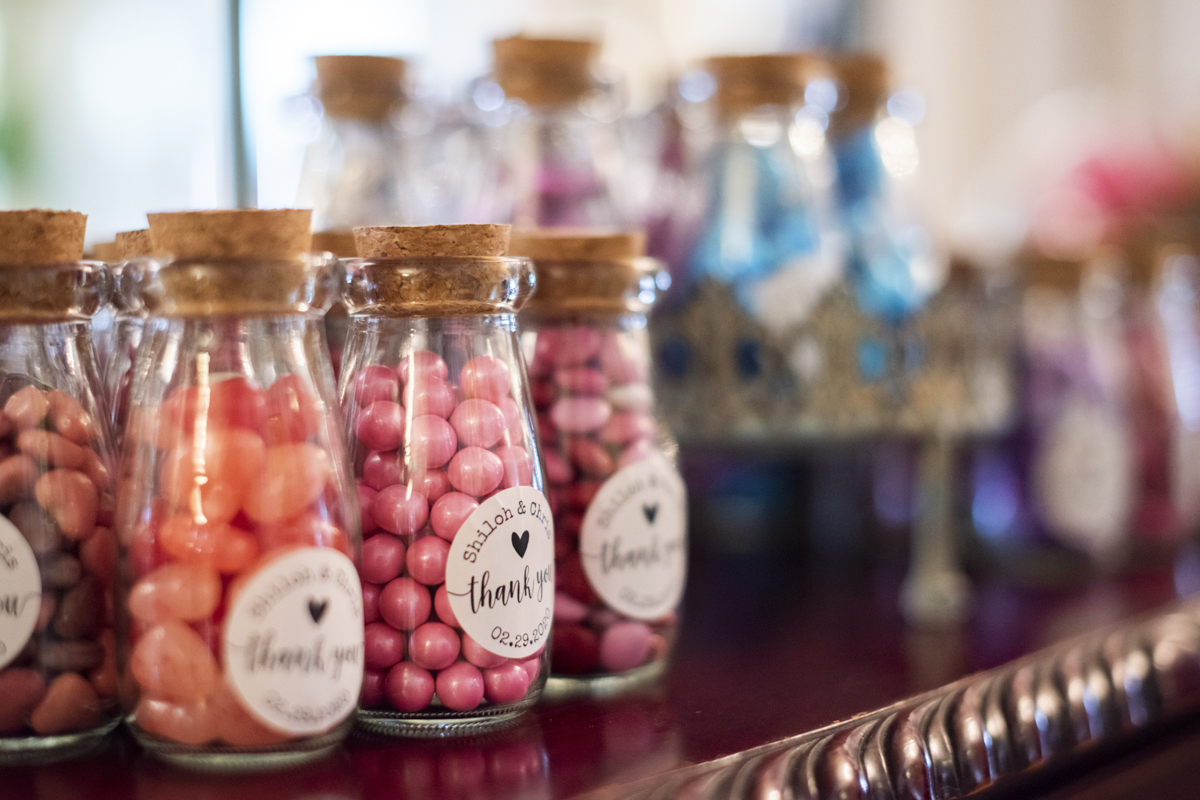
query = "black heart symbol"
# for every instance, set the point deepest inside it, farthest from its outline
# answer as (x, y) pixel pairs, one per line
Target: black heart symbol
(520, 543)
(651, 512)
(317, 610)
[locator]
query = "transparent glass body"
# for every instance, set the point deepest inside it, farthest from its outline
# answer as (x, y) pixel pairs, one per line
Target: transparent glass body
(543, 165)
(58, 673)
(590, 376)
(361, 172)
(129, 322)
(439, 418)
(233, 464)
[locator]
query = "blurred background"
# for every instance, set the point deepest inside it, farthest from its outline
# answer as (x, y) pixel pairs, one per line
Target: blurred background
(935, 303)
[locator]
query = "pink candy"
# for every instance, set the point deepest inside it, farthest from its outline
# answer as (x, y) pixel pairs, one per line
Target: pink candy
(436, 444)
(624, 645)
(580, 414)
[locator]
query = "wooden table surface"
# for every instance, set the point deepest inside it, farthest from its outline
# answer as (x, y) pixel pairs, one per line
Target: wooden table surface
(772, 646)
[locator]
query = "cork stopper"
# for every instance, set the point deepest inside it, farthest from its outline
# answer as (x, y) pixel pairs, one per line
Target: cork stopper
(413, 241)
(245, 262)
(864, 78)
(1052, 272)
(283, 233)
(135, 244)
(39, 236)
(360, 87)
(571, 244)
(544, 72)
(436, 271)
(340, 243)
(108, 252)
(582, 272)
(747, 82)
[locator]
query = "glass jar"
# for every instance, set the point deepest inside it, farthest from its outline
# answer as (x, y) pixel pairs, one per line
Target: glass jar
(543, 145)
(129, 322)
(620, 507)
(241, 609)
(103, 323)
(458, 560)
(360, 170)
(341, 245)
(58, 675)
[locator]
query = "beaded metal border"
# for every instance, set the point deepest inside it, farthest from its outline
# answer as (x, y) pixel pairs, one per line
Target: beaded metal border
(979, 732)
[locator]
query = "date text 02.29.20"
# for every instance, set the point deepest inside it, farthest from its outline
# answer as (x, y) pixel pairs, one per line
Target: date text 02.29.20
(527, 639)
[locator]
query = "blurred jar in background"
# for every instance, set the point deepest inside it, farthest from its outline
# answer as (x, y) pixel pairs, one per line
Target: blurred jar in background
(890, 258)
(103, 324)
(129, 323)
(1059, 494)
(542, 146)
(361, 168)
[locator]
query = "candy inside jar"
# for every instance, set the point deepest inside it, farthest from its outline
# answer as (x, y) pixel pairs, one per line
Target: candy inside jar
(458, 554)
(619, 505)
(238, 534)
(58, 675)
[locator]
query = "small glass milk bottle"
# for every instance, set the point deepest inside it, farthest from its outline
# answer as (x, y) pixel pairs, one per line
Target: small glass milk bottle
(620, 507)
(240, 604)
(458, 560)
(58, 674)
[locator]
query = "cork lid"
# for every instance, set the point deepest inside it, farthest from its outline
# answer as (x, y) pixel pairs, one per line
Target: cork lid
(360, 87)
(583, 272)
(544, 72)
(135, 244)
(59, 287)
(865, 79)
(108, 252)
(244, 262)
(40, 236)
(409, 241)
(1052, 272)
(747, 82)
(436, 271)
(338, 242)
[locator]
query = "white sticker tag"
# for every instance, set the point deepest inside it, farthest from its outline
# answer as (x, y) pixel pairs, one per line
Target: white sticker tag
(293, 641)
(634, 539)
(500, 573)
(20, 592)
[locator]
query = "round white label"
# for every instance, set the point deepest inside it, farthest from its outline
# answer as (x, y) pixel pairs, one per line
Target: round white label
(500, 573)
(20, 592)
(634, 539)
(293, 641)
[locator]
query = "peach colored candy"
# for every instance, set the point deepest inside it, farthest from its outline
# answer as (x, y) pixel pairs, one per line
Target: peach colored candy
(71, 498)
(221, 472)
(70, 419)
(95, 468)
(21, 690)
(27, 407)
(236, 727)
(293, 476)
(189, 592)
(217, 544)
(7, 426)
(70, 704)
(186, 723)
(50, 448)
(170, 661)
(17, 477)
